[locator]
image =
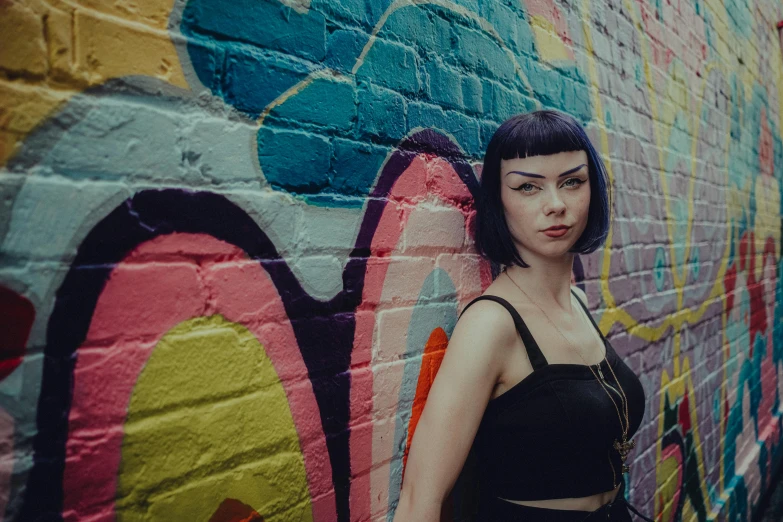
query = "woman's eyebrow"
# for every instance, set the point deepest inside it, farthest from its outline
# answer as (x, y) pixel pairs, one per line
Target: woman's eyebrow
(566, 173)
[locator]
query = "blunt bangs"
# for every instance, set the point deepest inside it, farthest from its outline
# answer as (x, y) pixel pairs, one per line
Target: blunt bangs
(539, 133)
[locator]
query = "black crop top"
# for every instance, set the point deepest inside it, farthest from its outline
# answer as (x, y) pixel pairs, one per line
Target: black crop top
(550, 436)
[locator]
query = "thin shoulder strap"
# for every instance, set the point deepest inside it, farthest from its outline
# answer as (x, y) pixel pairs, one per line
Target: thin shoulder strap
(584, 306)
(537, 359)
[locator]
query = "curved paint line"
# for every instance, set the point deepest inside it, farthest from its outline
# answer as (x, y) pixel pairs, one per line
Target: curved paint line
(129, 293)
(674, 450)
(324, 345)
(380, 232)
(419, 334)
(434, 351)
(451, 6)
(145, 216)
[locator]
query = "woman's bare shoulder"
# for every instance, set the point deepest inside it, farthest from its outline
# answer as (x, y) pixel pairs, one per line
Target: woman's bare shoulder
(580, 294)
(487, 320)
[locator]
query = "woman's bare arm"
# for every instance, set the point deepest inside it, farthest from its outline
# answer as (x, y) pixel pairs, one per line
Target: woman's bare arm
(454, 408)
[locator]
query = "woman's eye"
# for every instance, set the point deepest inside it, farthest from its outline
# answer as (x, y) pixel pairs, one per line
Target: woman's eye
(525, 187)
(576, 182)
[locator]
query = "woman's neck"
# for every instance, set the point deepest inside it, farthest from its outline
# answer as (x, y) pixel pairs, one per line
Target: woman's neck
(547, 281)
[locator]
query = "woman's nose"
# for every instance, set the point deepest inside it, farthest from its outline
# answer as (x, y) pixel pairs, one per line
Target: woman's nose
(554, 203)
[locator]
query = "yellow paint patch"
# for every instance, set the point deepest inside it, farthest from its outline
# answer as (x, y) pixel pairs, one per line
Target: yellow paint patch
(767, 223)
(24, 49)
(22, 107)
(209, 420)
(87, 43)
(106, 49)
(550, 47)
(667, 472)
(154, 13)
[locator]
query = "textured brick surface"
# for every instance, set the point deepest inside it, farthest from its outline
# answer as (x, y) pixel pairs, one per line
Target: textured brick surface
(234, 237)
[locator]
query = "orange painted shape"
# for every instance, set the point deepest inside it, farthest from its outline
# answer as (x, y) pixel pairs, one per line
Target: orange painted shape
(434, 351)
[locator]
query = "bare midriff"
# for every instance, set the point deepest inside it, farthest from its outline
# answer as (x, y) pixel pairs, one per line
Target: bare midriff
(590, 503)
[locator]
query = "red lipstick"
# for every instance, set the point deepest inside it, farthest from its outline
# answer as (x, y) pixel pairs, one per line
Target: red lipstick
(556, 231)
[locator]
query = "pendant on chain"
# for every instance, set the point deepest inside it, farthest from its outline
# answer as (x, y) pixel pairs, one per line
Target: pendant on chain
(623, 448)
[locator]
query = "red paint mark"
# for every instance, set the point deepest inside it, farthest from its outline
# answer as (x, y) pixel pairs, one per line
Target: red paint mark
(757, 320)
(232, 510)
(434, 351)
(769, 250)
(743, 250)
(674, 452)
(662, 503)
(758, 309)
(729, 281)
(16, 320)
(549, 11)
(684, 414)
(780, 24)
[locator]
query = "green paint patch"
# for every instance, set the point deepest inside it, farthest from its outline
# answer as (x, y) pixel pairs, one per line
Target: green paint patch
(659, 268)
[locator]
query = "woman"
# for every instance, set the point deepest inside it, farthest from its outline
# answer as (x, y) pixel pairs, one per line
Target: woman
(546, 403)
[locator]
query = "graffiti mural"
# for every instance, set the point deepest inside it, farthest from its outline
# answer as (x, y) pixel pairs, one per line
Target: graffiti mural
(236, 237)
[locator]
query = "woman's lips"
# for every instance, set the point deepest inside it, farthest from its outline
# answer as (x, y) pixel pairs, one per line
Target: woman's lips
(556, 232)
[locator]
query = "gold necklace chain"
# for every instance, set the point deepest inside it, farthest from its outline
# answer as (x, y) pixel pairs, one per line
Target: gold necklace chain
(622, 447)
(624, 428)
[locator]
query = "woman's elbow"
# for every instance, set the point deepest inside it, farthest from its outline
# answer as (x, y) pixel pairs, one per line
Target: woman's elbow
(413, 506)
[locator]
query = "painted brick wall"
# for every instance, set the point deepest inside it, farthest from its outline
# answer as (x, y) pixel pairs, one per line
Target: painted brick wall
(234, 240)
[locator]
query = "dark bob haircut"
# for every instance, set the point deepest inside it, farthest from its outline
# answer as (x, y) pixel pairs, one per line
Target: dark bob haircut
(538, 133)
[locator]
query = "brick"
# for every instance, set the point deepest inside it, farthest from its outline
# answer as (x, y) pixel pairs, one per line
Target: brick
(59, 31)
(464, 129)
(25, 53)
(463, 275)
(391, 65)
(445, 85)
(404, 279)
(343, 47)
(151, 13)
(503, 102)
(434, 228)
(294, 161)
(284, 29)
(444, 181)
(48, 218)
(416, 27)
(109, 48)
(505, 22)
(325, 102)
(212, 150)
(24, 107)
(355, 166)
(481, 53)
(487, 130)
(381, 113)
(355, 12)
(109, 138)
(472, 94)
(254, 78)
(601, 46)
(321, 275)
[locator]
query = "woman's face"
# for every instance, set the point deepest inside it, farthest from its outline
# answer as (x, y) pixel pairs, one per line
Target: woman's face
(539, 192)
